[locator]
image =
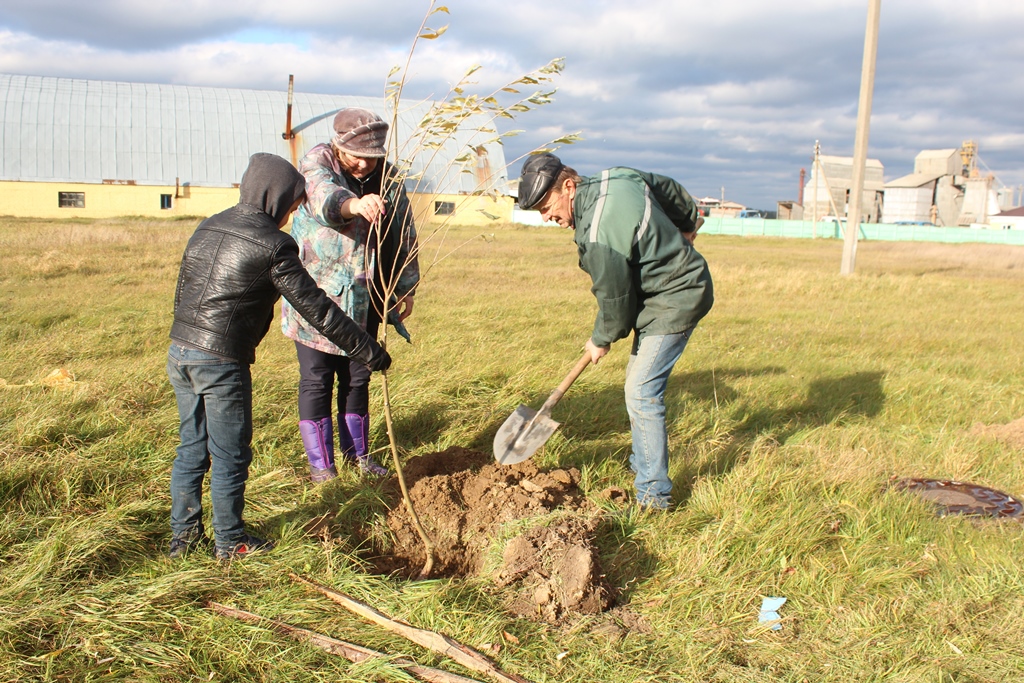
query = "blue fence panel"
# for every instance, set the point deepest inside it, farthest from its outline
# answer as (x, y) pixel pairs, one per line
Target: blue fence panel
(763, 227)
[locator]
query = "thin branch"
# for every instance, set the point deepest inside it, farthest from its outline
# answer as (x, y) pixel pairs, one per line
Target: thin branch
(350, 651)
(442, 644)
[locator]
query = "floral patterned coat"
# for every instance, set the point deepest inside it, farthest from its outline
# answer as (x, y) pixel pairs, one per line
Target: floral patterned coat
(341, 255)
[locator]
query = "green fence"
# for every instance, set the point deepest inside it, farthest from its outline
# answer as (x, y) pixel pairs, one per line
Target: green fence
(868, 231)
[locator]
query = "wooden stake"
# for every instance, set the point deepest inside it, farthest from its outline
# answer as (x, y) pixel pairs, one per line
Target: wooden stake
(351, 652)
(442, 644)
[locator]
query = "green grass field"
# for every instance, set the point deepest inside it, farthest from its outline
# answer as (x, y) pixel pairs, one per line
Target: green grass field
(801, 395)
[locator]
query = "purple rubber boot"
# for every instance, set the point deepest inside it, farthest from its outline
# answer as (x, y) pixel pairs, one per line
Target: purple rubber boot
(318, 439)
(355, 443)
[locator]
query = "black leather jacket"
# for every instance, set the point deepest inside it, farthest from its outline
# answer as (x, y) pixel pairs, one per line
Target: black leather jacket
(235, 266)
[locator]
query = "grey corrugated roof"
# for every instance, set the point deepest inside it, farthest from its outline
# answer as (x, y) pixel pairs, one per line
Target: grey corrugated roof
(75, 130)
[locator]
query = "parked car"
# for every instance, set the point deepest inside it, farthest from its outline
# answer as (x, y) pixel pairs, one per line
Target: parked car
(750, 213)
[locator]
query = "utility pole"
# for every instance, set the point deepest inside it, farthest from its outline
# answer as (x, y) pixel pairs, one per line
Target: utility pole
(860, 145)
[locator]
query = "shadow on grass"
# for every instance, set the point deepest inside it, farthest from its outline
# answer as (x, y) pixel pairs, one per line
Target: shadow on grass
(340, 510)
(712, 385)
(828, 400)
(593, 416)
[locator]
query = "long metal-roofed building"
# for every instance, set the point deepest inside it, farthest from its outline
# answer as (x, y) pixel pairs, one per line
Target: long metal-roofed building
(85, 148)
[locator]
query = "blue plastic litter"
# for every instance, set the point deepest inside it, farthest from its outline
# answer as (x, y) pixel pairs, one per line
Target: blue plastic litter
(770, 612)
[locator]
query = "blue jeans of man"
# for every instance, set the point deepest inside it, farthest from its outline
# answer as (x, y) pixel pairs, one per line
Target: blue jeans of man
(650, 363)
(215, 408)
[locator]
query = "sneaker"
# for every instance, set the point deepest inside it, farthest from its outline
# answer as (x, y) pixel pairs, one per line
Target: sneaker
(370, 466)
(319, 476)
(184, 543)
(655, 504)
(243, 548)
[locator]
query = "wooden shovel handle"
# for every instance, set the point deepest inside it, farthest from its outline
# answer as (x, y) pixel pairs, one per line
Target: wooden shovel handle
(557, 394)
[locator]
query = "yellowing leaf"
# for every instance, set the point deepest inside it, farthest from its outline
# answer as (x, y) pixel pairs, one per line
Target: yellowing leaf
(431, 34)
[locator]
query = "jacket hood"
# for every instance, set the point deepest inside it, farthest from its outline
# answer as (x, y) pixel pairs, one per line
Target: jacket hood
(271, 184)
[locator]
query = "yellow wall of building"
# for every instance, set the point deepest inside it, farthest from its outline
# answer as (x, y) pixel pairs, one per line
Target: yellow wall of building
(468, 209)
(40, 200)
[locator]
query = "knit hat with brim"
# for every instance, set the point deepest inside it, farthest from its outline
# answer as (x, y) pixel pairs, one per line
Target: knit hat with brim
(539, 173)
(360, 133)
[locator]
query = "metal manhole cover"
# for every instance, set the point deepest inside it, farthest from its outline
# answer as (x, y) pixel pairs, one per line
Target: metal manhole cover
(960, 498)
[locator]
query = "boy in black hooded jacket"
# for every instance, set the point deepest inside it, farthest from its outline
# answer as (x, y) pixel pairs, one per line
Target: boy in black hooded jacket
(235, 267)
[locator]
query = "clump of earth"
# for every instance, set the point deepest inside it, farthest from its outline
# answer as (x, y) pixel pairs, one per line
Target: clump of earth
(1011, 433)
(557, 569)
(464, 499)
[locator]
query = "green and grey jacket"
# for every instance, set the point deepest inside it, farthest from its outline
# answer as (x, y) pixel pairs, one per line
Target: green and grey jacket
(647, 277)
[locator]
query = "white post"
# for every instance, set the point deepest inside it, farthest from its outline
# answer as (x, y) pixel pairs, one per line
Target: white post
(815, 168)
(860, 146)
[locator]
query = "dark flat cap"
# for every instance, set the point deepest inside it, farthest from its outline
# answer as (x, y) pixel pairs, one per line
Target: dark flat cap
(539, 173)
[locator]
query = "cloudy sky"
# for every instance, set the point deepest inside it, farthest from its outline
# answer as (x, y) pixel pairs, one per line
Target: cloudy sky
(729, 94)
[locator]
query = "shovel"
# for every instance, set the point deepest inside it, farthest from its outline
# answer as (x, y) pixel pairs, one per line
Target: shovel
(526, 430)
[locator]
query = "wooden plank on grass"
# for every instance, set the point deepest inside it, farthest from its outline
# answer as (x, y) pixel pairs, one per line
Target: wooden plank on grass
(442, 644)
(350, 651)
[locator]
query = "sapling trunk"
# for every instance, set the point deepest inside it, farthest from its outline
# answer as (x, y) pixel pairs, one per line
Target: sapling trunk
(428, 545)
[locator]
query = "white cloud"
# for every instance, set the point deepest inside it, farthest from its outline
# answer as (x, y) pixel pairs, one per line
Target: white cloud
(731, 93)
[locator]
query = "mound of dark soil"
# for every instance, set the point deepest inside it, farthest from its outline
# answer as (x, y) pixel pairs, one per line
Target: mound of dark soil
(1011, 433)
(463, 498)
(557, 570)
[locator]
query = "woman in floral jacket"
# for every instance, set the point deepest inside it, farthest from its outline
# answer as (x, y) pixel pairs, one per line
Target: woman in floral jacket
(357, 239)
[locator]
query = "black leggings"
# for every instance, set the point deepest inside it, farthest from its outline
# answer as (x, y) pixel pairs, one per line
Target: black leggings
(317, 371)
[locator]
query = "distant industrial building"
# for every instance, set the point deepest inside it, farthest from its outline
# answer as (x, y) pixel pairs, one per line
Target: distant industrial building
(945, 189)
(84, 148)
(827, 192)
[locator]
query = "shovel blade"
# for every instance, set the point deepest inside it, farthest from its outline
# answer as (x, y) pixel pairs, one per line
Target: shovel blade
(518, 438)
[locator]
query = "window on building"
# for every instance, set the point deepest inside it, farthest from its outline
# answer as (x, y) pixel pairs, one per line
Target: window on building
(444, 208)
(71, 200)
(165, 201)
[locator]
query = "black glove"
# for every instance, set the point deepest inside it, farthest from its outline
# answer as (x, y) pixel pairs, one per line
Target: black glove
(380, 360)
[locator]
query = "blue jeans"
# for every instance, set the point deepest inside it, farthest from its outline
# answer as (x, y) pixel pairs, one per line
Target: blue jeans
(650, 364)
(215, 407)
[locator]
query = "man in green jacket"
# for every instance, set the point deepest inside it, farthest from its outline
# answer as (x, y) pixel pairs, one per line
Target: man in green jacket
(634, 232)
